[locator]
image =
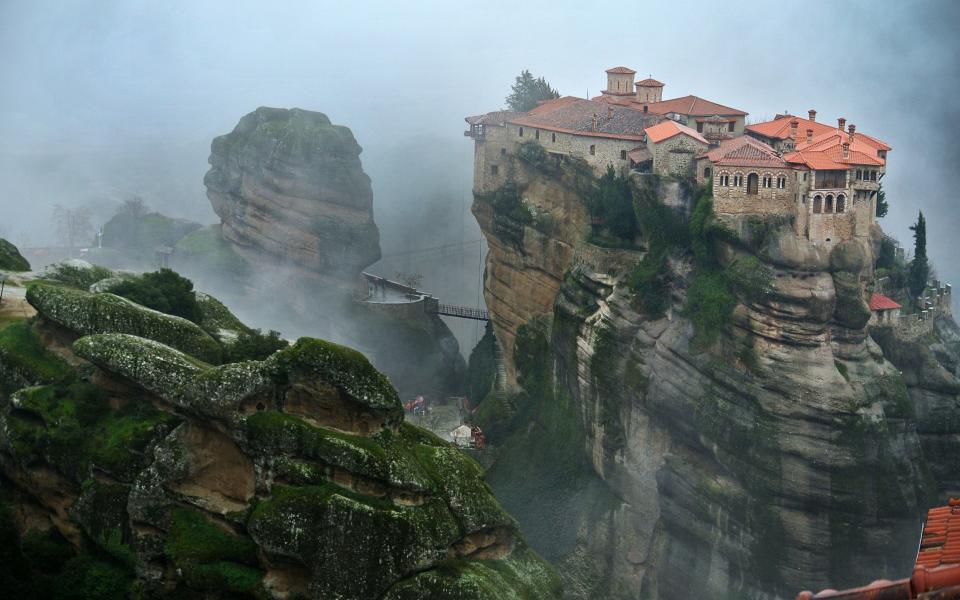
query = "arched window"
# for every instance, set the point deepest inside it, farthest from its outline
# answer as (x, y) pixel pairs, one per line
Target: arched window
(817, 204)
(753, 183)
(706, 173)
(521, 132)
(593, 149)
(841, 203)
(828, 205)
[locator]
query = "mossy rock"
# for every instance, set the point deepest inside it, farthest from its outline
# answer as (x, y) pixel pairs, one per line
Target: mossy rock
(25, 361)
(76, 273)
(355, 546)
(217, 320)
(11, 259)
(521, 576)
(86, 313)
(347, 369)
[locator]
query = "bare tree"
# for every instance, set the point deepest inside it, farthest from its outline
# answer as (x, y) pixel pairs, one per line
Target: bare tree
(133, 206)
(411, 279)
(72, 224)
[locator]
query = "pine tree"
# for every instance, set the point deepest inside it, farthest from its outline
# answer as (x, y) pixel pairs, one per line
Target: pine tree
(882, 206)
(919, 267)
(528, 92)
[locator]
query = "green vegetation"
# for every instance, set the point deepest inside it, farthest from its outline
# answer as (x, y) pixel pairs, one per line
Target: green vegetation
(603, 367)
(73, 426)
(919, 267)
(211, 559)
(163, 290)
(510, 213)
(611, 204)
(253, 345)
(533, 155)
(76, 274)
(882, 206)
(664, 233)
(842, 368)
(528, 92)
(42, 564)
(11, 259)
(26, 361)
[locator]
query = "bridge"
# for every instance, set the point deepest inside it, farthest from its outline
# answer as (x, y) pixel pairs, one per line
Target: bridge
(462, 312)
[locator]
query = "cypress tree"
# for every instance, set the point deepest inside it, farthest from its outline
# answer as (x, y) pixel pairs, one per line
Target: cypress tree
(528, 91)
(919, 268)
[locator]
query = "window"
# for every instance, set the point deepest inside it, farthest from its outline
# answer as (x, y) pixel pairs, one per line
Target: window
(494, 169)
(738, 181)
(553, 137)
(699, 126)
(725, 180)
(817, 204)
(873, 175)
(706, 173)
(593, 150)
(781, 182)
(828, 204)
(730, 126)
(859, 174)
(536, 134)
(503, 151)
(623, 155)
(841, 203)
(804, 176)
(521, 132)
(753, 181)
(767, 181)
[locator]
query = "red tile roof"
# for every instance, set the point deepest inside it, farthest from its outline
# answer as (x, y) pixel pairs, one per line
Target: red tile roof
(621, 71)
(498, 117)
(744, 151)
(940, 541)
(575, 116)
(693, 106)
(936, 574)
(881, 302)
(779, 128)
(668, 129)
(816, 161)
(649, 83)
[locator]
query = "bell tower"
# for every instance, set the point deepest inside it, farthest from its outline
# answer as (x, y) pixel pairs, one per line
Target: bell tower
(619, 82)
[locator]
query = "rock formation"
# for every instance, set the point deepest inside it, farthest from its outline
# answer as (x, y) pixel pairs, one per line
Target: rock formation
(287, 184)
(11, 259)
(133, 462)
(787, 454)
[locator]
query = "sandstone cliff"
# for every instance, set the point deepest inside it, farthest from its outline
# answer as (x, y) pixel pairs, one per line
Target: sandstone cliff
(288, 185)
(133, 463)
(786, 452)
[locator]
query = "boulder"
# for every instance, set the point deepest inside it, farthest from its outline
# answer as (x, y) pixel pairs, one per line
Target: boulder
(11, 259)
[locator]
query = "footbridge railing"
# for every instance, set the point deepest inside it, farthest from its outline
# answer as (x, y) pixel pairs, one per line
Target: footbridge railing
(462, 312)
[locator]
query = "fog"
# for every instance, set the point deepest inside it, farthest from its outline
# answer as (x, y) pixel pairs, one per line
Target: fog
(102, 100)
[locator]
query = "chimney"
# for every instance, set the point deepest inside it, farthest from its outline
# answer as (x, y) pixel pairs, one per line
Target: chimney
(594, 121)
(812, 115)
(846, 150)
(793, 129)
(852, 130)
(809, 135)
(840, 123)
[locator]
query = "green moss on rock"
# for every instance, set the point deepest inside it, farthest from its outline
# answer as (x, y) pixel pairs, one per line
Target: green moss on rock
(24, 360)
(11, 259)
(86, 313)
(209, 557)
(343, 367)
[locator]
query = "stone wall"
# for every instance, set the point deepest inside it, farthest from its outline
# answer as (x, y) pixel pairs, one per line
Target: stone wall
(675, 155)
(772, 200)
(606, 151)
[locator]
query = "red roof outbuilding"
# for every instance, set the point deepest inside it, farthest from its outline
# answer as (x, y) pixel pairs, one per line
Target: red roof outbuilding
(881, 302)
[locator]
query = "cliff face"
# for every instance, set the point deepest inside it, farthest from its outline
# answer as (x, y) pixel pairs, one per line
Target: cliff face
(133, 463)
(288, 184)
(788, 454)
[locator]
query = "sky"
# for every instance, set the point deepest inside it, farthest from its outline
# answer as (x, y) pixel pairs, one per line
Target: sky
(102, 100)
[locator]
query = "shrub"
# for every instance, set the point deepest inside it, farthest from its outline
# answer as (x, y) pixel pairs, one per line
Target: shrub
(612, 203)
(709, 306)
(534, 156)
(165, 291)
(253, 345)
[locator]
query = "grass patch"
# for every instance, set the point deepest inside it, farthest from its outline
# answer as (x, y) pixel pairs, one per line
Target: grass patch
(22, 351)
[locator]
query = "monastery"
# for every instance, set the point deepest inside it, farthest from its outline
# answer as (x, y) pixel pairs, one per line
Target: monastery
(827, 177)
